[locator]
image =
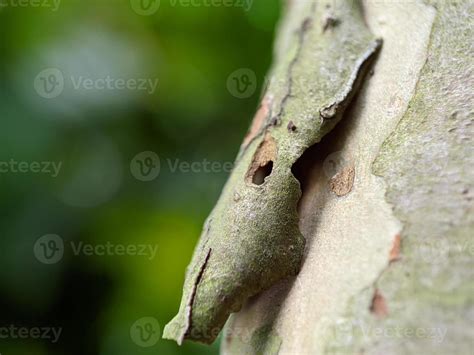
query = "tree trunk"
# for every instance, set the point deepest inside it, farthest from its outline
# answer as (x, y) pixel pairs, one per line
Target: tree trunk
(386, 209)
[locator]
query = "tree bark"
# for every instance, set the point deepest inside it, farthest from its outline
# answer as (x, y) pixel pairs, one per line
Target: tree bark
(251, 240)
(386, 209)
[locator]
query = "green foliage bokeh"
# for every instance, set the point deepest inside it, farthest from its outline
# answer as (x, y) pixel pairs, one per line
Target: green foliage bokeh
(191, 117)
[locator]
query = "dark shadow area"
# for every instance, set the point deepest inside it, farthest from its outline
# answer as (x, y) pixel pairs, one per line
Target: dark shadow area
(262, 172)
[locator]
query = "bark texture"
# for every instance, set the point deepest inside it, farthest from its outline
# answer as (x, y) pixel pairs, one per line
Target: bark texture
(252, 240)
(388, 264)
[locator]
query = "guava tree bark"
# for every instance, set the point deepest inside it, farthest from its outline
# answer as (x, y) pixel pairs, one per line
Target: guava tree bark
(386, 209)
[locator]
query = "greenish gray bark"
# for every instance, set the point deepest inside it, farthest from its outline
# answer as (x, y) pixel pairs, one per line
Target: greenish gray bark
(251, 240)
(388, 264)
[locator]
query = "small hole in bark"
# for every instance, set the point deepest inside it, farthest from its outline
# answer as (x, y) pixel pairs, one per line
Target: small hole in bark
(262, 172)
(262, 162)
(291, 126)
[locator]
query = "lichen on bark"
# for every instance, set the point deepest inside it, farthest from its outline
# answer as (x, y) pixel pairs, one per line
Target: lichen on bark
(427, 163)
(251, 240)
(369, 284)
(379, 289)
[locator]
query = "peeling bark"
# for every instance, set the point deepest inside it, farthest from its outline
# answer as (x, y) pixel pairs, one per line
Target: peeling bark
(341, 183)
(255, 239)
(388, 267)
(381, 219)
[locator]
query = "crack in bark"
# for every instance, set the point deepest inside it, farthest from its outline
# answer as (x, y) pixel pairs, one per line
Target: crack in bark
(193, 295)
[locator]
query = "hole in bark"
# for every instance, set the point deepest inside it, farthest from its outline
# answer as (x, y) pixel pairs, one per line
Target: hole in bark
(262, 162)
(262, 172)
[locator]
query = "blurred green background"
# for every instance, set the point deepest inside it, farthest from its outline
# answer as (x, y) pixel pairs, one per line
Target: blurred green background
(53, 110)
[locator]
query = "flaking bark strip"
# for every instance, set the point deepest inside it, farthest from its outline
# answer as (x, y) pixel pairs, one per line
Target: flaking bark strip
(255, 239)
(395, 251)
(346, 95)
(341, 183)
(379, 305)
